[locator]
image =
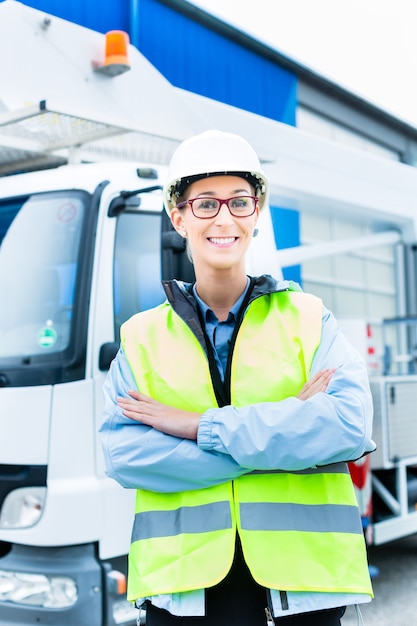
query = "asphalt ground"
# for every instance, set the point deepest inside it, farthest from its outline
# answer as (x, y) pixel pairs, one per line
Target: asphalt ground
(395, 586)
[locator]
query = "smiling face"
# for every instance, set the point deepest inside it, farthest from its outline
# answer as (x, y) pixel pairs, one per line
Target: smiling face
(218, 243)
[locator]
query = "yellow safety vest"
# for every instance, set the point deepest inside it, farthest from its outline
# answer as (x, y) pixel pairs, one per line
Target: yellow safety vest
(300, 531)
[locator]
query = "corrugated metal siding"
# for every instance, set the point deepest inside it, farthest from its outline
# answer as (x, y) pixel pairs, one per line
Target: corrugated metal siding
(198, 59)
(101, 16)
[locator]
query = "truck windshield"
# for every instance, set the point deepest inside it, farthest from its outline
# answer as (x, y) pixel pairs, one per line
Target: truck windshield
(39, 248)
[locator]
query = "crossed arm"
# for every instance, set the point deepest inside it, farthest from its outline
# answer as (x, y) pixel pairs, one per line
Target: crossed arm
(152, 446)
(184, 424)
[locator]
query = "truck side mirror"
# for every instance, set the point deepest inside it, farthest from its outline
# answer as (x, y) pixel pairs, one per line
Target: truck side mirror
(107, 353)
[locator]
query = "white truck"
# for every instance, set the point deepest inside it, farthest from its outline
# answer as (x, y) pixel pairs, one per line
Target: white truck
(82, 247)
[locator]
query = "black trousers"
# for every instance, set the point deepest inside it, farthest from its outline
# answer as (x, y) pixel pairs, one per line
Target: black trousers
(239, 601)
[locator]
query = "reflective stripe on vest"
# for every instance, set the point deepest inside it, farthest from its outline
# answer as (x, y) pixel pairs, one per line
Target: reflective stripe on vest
(260, 516)
(302, 517)
(191, 519)
(265, 516)
(300, 530)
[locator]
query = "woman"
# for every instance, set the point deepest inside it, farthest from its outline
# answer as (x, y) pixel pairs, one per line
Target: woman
(232, 409)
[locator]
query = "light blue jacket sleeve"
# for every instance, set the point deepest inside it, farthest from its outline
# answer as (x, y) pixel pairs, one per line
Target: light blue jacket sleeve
(294, 434)
(138, 456)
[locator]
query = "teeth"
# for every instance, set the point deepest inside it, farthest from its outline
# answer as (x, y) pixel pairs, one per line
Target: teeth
(222, 239)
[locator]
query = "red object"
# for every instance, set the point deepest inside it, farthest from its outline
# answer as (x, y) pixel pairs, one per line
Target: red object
(360, 472)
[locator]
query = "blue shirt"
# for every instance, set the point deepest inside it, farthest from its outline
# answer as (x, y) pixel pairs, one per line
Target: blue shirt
(220, 333)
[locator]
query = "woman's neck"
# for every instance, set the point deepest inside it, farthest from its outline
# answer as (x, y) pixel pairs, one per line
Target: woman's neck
(221, 294)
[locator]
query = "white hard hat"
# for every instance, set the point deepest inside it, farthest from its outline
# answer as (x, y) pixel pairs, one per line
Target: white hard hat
(212, 153)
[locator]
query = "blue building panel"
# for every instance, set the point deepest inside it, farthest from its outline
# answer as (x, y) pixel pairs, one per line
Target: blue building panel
(194, 57)
(100, 16)
(286, 223)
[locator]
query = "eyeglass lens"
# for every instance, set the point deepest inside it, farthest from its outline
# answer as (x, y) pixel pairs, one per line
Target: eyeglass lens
(240, 206)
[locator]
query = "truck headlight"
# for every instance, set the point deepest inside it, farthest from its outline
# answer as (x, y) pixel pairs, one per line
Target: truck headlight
(22, 507)
(52, 592)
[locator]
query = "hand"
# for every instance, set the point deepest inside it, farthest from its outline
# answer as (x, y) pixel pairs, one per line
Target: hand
(167, 419)
(316, 384)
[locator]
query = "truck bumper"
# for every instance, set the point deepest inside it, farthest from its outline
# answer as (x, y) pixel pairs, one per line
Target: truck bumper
(86, 603)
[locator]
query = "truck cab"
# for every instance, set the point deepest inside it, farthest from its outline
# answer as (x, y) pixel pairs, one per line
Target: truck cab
(76, 259)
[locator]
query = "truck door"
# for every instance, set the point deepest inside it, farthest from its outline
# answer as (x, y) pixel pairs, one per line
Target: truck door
(147, 249)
